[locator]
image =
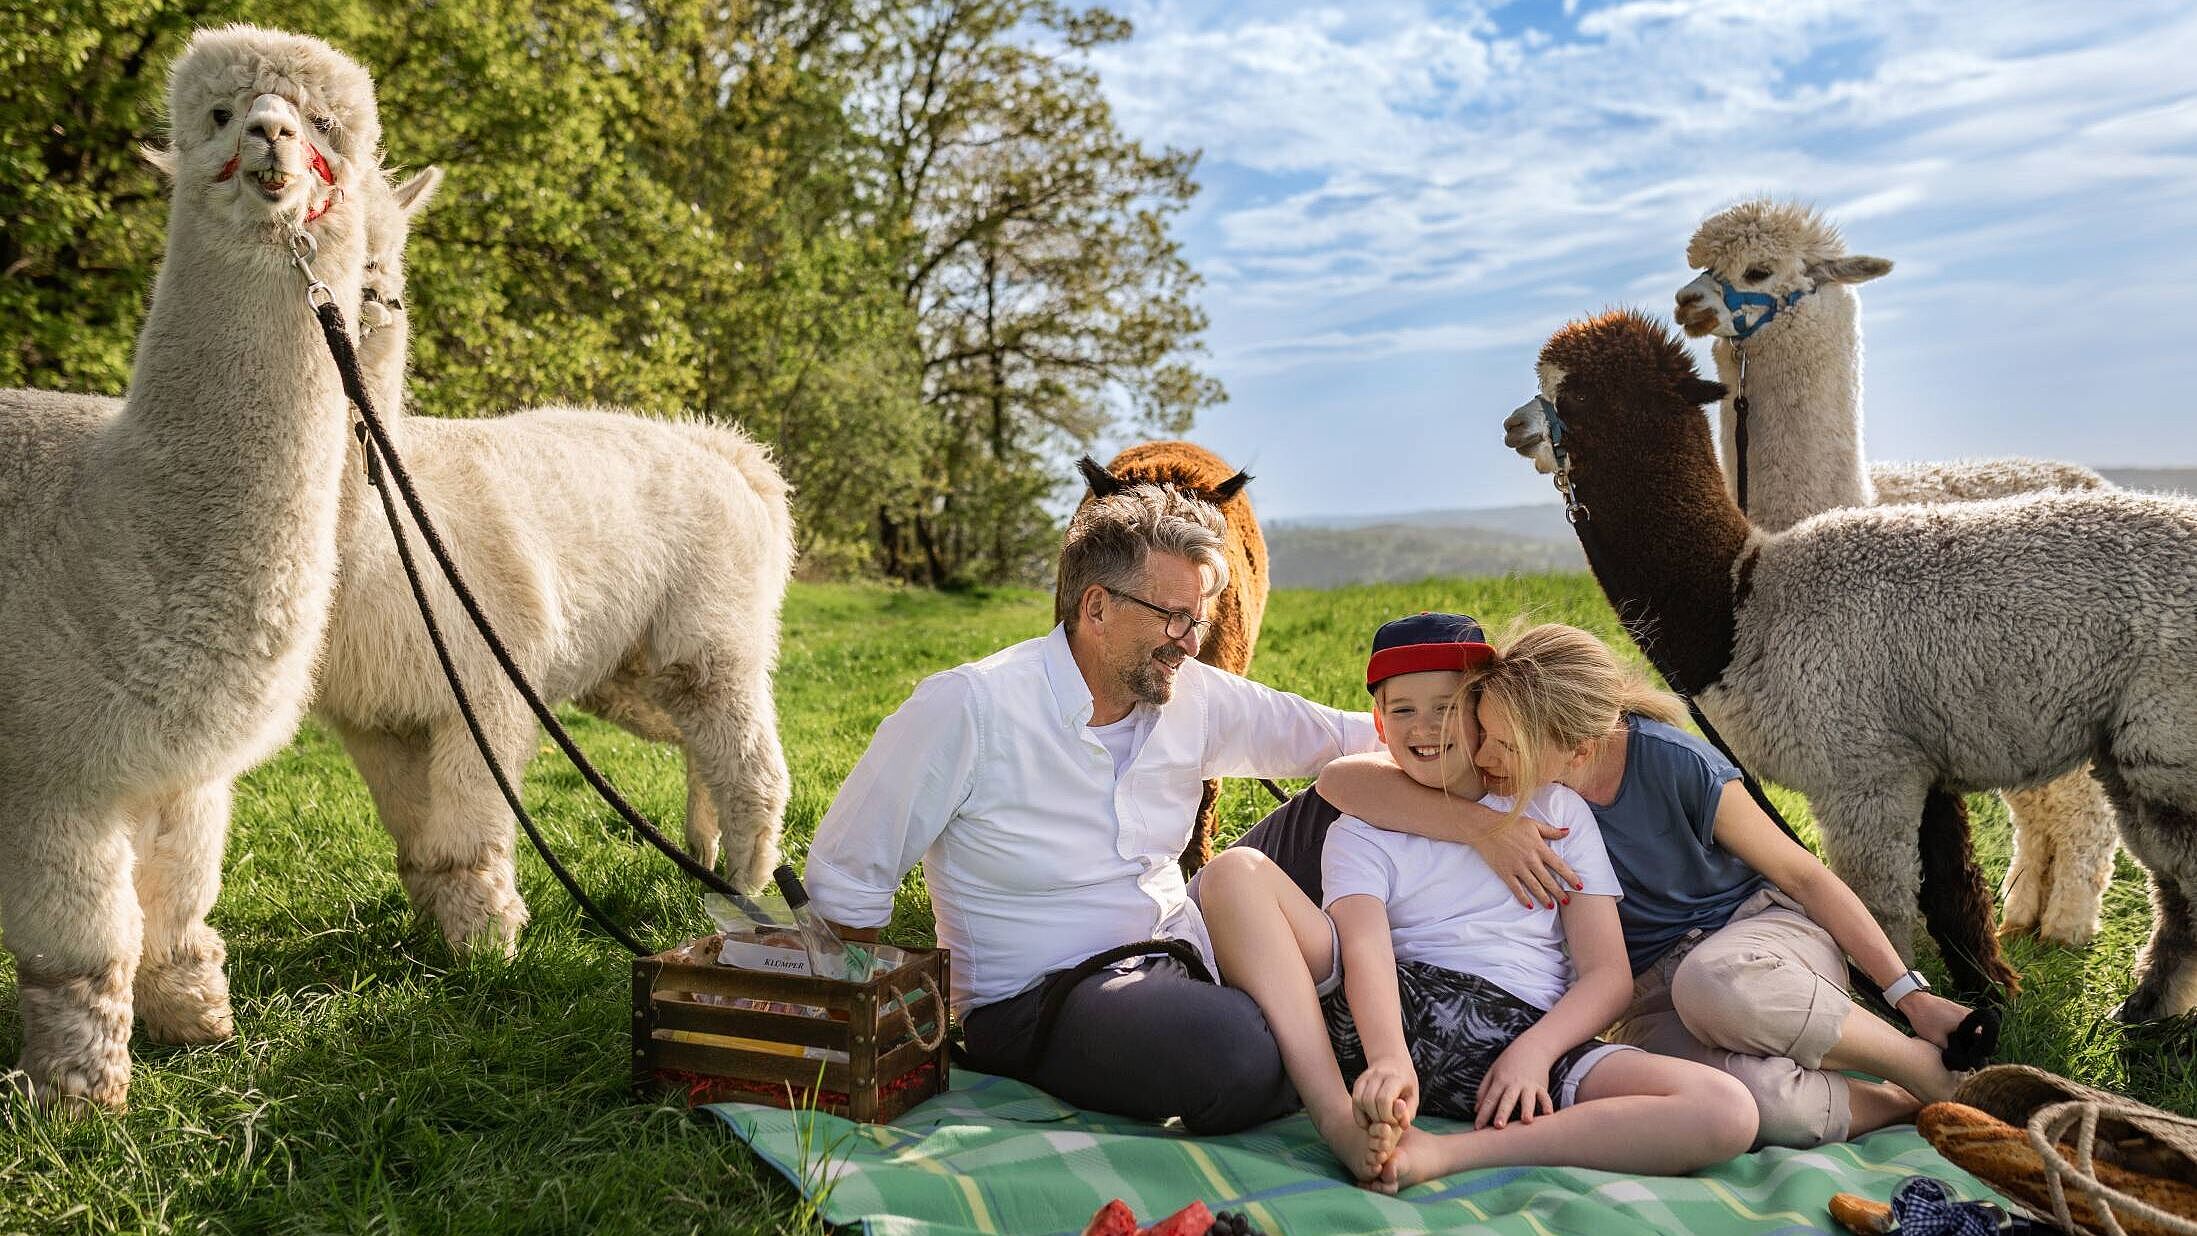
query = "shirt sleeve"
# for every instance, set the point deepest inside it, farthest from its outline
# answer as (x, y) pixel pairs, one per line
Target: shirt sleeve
(1583, 848)
(1702, 775)
(919, 770)
(1352, 861)
(1252, 730)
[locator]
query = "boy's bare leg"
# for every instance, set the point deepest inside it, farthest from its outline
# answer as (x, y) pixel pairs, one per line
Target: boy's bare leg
(1270, 940)
(1637, 1112)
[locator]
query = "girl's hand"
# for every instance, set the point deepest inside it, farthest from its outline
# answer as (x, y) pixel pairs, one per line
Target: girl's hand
(1518, 1079)
(1387, 1092)
(1933, 1016)
(1518, 852)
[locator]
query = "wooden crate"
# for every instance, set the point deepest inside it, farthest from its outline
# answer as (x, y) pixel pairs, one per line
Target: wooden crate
(887, 1070)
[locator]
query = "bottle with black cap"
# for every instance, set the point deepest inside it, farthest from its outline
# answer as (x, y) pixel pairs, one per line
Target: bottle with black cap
(829, 957)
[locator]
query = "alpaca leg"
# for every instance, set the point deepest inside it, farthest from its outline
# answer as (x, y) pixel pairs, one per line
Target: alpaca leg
(2084, 833)
(2164, 839)
(450, 824)
(728, 724)
(1872, 843)
(2029, 872)
(71, 919)
(625, 700)
(182, 992)
(459, 865)
(1956, 901)
(1200, 850)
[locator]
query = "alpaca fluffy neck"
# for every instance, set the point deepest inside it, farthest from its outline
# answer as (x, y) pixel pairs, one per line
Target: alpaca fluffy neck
(1804, 445)
(1666, 542)
(208, 512)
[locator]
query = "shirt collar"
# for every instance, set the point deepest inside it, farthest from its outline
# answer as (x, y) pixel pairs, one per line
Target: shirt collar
(1071, 695)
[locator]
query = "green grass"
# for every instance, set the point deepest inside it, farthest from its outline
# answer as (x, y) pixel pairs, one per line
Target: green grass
(376, 1085)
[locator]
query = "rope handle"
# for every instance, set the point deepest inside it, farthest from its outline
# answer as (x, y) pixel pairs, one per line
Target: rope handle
(2050, 1124)
(907, 1009)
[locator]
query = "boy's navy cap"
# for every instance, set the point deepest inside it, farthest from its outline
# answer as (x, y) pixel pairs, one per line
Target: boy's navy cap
(1426, 642)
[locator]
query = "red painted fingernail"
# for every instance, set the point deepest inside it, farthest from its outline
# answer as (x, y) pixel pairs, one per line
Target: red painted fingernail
(1567, 901)
(1577, 885)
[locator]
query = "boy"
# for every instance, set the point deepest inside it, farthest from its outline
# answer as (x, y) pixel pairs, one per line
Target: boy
(1426, 984)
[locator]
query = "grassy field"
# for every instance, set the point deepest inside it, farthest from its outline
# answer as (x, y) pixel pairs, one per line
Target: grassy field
(378, 1086)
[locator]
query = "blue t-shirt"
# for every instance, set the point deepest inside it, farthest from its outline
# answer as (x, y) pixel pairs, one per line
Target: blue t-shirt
(1661, 838)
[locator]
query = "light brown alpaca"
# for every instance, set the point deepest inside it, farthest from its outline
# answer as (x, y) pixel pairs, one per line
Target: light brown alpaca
(1240, 607)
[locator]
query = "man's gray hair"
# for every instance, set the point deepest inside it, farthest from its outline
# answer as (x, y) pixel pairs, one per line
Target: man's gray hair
(1109, 539)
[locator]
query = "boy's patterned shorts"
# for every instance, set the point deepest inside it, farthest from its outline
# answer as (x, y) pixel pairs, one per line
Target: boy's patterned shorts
(1456, 1025)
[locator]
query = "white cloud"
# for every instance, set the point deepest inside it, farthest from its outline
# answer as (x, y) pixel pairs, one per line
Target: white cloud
(1392, 180)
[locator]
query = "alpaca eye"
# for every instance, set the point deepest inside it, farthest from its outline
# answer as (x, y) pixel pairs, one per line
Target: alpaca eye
(1756, 274)
(221, 117)
(324, 123)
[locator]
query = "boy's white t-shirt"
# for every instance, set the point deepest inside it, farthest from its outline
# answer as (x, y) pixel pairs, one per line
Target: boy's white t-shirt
(1447, 907)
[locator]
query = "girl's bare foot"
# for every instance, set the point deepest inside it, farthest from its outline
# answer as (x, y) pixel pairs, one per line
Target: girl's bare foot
(1422, 1156)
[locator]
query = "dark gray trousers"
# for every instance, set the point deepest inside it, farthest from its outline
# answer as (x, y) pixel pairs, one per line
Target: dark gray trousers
(1148, 1039)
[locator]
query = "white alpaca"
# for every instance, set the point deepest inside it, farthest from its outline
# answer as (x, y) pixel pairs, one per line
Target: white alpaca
(634, 565)
(165, 571)
(1802, 378)
(1883, 661)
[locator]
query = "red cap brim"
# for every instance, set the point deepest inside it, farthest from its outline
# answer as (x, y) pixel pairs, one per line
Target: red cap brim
(1420, 658)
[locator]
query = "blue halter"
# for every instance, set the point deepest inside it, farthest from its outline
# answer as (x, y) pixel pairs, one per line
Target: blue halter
(1738, 302)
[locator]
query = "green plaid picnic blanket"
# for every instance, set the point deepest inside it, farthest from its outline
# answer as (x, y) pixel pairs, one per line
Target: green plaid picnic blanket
(994, 1155)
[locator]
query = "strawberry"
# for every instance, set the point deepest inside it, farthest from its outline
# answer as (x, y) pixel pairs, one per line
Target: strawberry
(1113, 1219)
(1191, 1220)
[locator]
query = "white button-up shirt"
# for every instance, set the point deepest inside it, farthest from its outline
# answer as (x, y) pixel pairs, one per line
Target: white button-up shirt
(1036, 855)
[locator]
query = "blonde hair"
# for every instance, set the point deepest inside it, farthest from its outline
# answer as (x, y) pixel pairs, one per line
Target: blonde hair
(1562, 688)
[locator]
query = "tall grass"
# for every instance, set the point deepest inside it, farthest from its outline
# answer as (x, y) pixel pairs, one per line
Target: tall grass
(377, 1085)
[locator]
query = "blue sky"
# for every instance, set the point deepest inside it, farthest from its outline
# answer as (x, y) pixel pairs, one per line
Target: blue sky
(1401, 201)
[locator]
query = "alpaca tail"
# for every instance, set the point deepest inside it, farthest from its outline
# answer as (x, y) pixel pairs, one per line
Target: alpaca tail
(751, 459)
(1956, 902)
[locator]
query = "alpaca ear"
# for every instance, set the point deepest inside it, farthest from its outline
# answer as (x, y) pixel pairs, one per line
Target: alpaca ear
(1103, 484)
(414, 194)
(1698, 391)
(1858, 268)
(1231, 487)
(159, 158)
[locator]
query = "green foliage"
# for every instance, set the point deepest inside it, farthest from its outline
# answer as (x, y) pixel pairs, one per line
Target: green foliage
(690, 208)
(376, 1085)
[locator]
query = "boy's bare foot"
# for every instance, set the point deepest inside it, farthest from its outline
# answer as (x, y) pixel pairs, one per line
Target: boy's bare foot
(1363, 1151)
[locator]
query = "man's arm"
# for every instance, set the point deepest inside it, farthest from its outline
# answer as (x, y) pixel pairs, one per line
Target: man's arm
(917, 772)
(1373, 789)
(1253, 730)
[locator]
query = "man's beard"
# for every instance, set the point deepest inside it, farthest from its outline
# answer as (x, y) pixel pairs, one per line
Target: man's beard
(1147, 681)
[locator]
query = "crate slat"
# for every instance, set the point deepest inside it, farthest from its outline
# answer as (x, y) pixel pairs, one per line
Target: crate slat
(717, 1061)
(674, 1014)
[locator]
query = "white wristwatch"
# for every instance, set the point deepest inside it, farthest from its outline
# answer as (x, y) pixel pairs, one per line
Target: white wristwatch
(1904, 986)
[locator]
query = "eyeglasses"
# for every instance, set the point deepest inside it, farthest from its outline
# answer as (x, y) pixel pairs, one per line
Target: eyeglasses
(1179, 622)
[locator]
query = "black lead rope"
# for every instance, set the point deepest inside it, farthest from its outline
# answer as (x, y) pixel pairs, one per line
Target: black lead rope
(1739, 452)
(382, 455)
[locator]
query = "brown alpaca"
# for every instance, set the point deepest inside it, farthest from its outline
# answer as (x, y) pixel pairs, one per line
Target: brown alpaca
(1240, 606)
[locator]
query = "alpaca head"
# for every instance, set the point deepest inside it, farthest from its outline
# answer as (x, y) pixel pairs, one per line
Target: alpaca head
(1763, 260)
(268, 131)
(1621, 378)
(389, 212)
(1192, 469)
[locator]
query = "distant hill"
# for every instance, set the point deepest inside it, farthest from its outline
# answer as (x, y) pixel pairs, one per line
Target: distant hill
(2162, 480)
(1328, 551)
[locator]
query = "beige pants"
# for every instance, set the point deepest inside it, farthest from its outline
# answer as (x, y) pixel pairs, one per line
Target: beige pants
(1762, 998)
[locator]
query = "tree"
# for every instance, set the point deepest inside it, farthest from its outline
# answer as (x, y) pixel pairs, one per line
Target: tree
(1052, 305)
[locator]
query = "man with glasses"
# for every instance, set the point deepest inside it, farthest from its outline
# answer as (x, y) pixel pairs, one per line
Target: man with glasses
(1048, 790)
